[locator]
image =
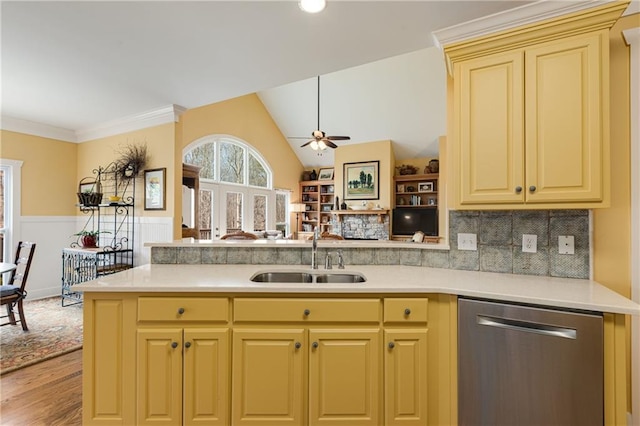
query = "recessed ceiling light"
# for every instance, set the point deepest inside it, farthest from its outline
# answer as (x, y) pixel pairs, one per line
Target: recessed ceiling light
(312, 6)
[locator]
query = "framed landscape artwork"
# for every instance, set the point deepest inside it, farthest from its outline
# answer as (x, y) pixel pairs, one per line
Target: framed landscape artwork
(361, 181)
(325, 174)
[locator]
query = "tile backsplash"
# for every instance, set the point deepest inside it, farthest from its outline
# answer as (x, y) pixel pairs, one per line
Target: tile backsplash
(499, 236)
(499, 243)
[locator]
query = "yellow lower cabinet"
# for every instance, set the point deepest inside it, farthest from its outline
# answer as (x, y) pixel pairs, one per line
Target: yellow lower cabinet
(405, 377)
(182, 376)
(344, 377)
(268, 376)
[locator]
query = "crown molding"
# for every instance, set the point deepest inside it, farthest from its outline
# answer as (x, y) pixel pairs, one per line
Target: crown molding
(156, 117)
(512, 18)
(37, 129)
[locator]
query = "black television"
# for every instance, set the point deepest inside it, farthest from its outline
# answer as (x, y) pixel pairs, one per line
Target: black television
(409, 220)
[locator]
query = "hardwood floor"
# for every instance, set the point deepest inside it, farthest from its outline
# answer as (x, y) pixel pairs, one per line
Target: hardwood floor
(47, 393)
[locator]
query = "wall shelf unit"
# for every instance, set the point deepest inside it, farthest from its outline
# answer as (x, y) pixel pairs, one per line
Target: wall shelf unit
(318, 196)
(416, 190)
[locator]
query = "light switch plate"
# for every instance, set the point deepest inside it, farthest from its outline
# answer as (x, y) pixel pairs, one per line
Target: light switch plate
(529, 243)
(467, 242)
(566, 244)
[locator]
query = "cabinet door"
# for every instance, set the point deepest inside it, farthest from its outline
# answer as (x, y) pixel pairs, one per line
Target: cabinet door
(159, 367)
(489, 119)
(564, 119)
(268, 376)
(344, 377)
(206, 376)
(405, 366)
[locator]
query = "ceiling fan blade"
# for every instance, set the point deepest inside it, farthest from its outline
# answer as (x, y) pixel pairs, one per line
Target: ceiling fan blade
(338, 138)
(307, 143)
(330, 144)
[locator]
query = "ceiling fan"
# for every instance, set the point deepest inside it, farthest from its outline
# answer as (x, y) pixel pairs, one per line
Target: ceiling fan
(320, 140)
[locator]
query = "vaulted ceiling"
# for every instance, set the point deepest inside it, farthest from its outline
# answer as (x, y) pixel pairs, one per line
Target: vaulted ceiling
(76, 65)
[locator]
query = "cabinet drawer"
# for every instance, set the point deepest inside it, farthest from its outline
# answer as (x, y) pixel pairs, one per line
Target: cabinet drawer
(405, 310)
(183, 309)
(307, 310)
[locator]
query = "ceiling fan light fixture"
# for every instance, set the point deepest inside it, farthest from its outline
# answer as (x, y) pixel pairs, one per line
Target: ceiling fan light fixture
(322, 145)
(312, 6)
(314, 145)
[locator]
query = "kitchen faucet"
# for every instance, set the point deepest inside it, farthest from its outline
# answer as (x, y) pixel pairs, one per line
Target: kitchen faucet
(314, 248)
(327, 260)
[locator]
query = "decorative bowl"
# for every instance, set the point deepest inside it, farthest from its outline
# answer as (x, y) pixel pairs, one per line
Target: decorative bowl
(358, 207)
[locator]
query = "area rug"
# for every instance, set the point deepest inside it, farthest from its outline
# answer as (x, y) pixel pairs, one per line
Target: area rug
(53, 331)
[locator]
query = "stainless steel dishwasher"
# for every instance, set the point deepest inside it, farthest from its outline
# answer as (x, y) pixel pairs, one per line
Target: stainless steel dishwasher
(523, 365)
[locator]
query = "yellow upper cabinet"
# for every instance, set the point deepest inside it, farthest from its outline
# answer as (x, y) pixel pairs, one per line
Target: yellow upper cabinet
(531, 115)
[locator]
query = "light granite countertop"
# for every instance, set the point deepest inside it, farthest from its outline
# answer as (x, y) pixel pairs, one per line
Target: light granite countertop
(266, 243)
(381, 279)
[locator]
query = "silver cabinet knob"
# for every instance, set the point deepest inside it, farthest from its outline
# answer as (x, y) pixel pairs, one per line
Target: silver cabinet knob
(392, 345)
(532, 188)
(298, 345)
(306, 312)
(187, 345)
(407, 312)
(180, 311)
(314, 345)
(518, 189)
(174, 345)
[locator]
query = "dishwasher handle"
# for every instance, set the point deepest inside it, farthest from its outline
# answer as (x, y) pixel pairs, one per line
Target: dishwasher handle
(526, 326)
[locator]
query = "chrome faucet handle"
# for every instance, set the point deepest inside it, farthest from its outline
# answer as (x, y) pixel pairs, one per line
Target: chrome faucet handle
(340, 259)
(327, 261)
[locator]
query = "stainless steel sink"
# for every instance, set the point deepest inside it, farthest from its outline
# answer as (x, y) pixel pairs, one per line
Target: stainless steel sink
(341, 277)
(282, 277)
(308, 277)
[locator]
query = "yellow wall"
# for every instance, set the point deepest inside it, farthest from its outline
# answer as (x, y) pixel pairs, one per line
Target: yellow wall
(161, 152)
(372, 151)
(49, 182)
(612, 226)
(246, 118)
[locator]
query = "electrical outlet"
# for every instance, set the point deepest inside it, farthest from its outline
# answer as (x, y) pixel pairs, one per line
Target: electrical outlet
(566, 244)
(467, 242)
(529, 243)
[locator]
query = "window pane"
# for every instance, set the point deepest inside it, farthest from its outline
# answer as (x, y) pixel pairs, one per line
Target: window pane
(259, 213)
(234, 212)
(282, 200)
(231, 163)
(205, 157)
(206, 207)
(257, 173)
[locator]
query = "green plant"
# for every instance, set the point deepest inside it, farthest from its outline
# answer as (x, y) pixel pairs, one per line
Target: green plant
(84, 233)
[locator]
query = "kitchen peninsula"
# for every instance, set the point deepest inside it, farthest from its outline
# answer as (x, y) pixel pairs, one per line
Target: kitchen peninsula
(203, 342)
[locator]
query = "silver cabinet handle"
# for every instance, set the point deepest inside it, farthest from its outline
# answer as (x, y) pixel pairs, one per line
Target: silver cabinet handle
(518, 189)
(530, 327)
(532, 188)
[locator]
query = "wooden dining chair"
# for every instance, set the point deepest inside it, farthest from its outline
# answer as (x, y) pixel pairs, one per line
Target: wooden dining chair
(14, 292)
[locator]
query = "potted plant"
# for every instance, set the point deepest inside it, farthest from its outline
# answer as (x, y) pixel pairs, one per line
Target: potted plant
(89, 239)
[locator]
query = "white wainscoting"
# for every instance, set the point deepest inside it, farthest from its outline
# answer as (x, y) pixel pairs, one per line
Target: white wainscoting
(53, 233)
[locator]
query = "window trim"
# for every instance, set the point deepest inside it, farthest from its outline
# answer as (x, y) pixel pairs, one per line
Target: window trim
(12, 194)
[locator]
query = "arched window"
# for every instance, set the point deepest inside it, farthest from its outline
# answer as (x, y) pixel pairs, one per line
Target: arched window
(227, 159)
(236, 186)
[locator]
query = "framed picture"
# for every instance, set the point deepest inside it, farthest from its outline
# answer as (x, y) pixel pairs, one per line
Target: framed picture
(361, 181)
(425, 187)
(155, 189)
(400, 187)
(325, 174)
